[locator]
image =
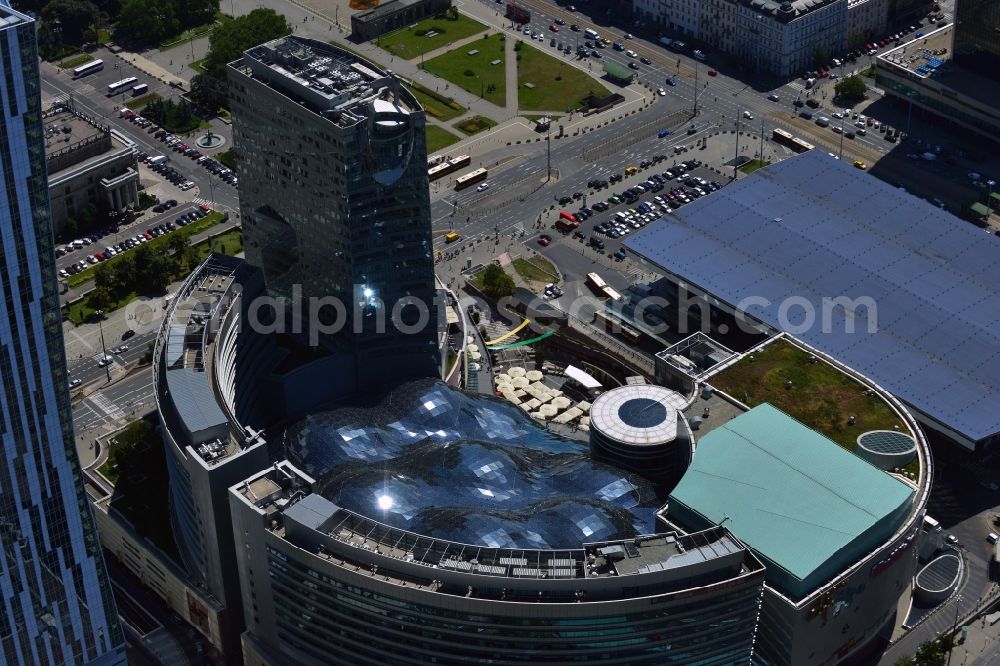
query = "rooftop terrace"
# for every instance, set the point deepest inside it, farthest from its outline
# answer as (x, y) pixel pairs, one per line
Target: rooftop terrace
(811, 391)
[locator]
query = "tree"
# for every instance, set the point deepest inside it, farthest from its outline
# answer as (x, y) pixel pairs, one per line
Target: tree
(821, 56)
(852, 87)
(69, 229)
(50, 43)
(209, 92)
(145, 21)
(496, 282)
(232, 38)
(906, 660)
(195, 12)
(99, 298)
(72, 17)
(929, 654)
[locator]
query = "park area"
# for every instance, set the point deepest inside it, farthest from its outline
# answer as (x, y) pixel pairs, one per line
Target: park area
(477, 67)
(438, 138)
(430, 34)
(545, 83)
(819, 396)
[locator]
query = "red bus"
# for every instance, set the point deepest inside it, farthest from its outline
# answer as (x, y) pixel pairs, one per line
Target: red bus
(518, 13)
(569, 217)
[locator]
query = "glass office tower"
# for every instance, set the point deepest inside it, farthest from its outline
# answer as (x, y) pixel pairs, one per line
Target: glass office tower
(977, 36)
(335, 204)
(55, 598)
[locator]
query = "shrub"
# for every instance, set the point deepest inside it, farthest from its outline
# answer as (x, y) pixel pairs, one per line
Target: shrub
(469, 72)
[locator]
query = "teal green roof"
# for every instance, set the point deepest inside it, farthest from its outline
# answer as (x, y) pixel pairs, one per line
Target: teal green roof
(617, 71)
(803, 504)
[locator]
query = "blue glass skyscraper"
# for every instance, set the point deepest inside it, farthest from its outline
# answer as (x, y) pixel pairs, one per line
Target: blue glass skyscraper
(55, 598)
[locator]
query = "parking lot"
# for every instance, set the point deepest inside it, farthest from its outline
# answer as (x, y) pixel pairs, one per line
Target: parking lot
(102, 245)
(601, 224)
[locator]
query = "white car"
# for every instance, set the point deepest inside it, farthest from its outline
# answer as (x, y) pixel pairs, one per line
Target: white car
(838, 114)
(122, 349)
(631, 54)
(748, 115)
(63, 273)
(698, 55)
(104, 362)
(661, 92)
(483, 187)
(73, 383)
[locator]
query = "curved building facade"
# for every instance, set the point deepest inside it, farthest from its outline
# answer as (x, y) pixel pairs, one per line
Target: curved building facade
(331, 586)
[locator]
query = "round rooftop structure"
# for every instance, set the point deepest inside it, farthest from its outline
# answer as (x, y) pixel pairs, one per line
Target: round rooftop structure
(640, 427)
(886, 449)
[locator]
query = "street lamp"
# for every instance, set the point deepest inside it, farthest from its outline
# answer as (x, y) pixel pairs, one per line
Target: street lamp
(958, 603)
(104, 349)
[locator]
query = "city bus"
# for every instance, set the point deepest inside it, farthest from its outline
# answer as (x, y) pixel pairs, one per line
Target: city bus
(596, 282)
(446, 166)
(89, 68)
(784, 138)
(800, 146)
(121, 86)
(470, 178)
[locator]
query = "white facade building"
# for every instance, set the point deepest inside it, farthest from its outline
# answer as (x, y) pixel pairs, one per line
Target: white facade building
(780, 38)
(866, 19)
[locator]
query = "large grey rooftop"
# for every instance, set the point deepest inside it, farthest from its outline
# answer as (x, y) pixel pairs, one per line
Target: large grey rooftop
(326, 79)
(814, 227)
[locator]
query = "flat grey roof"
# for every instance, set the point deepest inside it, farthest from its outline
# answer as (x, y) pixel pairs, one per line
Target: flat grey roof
(813, 227)
(196, 403)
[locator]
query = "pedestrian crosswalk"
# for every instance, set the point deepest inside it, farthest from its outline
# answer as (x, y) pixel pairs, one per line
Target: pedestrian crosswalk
(202, 201)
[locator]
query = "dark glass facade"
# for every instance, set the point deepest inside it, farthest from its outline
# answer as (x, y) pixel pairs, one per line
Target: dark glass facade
(977, 36)
(54, 592)
(332, 163)
(331, 621)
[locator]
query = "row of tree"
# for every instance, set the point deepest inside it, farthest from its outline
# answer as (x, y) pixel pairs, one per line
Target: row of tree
(146, 269)
(69, 24)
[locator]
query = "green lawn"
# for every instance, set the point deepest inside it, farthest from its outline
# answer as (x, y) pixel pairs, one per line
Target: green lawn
(753, 165)
(474, 125)
(536, 269)
(229, 242)
(227, 158)
(475, 73)
(198, 65)
(76, 61)
(820, 397)
(79, 312)
(138, 103)
(429, 34)
(438, 138)
(557, 85)
(436, 105)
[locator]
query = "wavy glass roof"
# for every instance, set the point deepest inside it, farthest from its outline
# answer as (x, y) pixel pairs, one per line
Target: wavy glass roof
(469, 468)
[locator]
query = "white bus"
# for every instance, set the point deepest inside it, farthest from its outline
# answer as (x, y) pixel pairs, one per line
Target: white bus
(89, 68)
(140, 89)
(121, 86)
